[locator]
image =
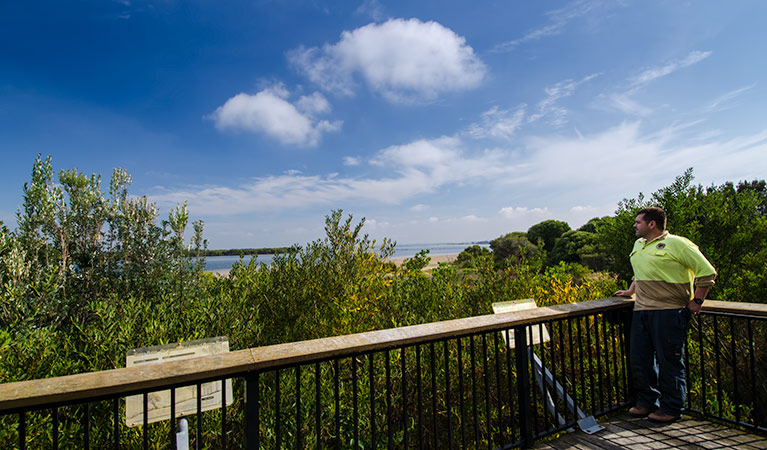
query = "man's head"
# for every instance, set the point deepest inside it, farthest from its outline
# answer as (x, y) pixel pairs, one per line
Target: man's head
(650, 222)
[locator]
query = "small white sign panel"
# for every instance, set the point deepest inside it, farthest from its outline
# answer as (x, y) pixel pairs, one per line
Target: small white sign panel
(521, 305)
(158, 403)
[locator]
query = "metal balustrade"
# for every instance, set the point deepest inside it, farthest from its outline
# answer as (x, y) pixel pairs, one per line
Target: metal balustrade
(453, 384)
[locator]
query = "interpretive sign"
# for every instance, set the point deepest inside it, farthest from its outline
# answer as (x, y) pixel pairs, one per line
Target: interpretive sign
(158, 403)
(522, 305)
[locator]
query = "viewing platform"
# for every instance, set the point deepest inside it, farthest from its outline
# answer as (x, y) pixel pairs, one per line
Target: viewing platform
(449, 385)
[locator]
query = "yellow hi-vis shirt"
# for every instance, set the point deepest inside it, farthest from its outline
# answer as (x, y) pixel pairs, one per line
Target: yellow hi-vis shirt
(666, 271)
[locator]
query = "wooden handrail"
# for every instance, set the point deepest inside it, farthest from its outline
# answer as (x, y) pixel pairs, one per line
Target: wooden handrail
(73, 388)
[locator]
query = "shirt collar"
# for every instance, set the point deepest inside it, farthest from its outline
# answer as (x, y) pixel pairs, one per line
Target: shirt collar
(661, 237)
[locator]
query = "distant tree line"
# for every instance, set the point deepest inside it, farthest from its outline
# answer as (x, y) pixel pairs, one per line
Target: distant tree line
(243, 251)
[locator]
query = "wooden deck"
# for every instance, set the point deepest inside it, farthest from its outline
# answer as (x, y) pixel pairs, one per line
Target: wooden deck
(623, 431)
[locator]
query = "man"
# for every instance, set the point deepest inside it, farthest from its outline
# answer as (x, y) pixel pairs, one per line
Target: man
(671, 280)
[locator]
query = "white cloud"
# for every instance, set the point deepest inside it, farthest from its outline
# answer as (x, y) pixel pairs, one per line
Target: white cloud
(549, 106)
(403, 60)
(372, 9)
(511, 212)
(269, 112)
(351, 161)
(498, 123)
(720, 103)
(654, 73)
(418, 208)
(558, 20)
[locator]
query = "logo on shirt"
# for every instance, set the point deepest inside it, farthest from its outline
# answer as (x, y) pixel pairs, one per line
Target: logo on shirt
(660, 246)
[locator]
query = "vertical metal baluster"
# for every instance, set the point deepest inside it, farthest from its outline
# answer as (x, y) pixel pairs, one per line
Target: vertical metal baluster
(553, 354)
(591, 365)
(223, 414)
(531, 371)
(756, 411)
(521, 357)
(563, 365)
(736, 396)
(277, 411)
(355, 408)
(404, 396)
(487, 388)
(616, 386)
(198, 438)
(578, 324)
(252, 410)
(544, 385)
(419, 394)
(389, 431)
(702, 365)
(688, 369)
(22, 431)
(624, 355)
(55, 414)
(461, 392)
(433, 395)
(87, 426)
(317, 410)
(573, 373)
(299, 443)
(498, 386)
(146, 421)
(448, 406)
(116, 422)
(509, 371)
(718, 365)
(607, 382)
(338, 403)
(598, 351)
(173, 418)
(474, 390)
(372, 402)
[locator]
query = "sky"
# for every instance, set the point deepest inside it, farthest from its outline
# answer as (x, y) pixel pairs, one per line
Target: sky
(436, 121)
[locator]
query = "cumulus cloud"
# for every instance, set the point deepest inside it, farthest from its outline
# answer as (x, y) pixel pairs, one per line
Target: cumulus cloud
(270, 112)
(403, 60)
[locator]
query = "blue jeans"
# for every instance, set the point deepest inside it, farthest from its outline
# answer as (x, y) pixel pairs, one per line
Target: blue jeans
(657, 358)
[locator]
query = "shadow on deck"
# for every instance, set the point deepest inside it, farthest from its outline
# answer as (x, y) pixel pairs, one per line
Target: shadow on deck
(623, 431)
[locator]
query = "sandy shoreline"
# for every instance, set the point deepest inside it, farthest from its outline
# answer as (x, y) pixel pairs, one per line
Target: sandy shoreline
(435, 260)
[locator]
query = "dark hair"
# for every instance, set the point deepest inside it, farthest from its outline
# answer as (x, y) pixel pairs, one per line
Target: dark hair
(654, 214)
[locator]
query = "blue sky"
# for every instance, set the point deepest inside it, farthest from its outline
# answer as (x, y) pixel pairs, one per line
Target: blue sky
(437, 121)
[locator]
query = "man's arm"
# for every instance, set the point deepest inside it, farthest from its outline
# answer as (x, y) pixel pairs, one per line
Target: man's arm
(628, 292)
(700, 292)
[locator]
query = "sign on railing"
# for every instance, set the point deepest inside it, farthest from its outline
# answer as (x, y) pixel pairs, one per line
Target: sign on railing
(158, 403)
(521, 305)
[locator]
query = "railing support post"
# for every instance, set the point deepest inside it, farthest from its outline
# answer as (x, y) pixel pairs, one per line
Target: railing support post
(252, 404)
(523, 386)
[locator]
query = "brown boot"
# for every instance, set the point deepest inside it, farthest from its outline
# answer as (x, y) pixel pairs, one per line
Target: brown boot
(640, 411)
(661, 417)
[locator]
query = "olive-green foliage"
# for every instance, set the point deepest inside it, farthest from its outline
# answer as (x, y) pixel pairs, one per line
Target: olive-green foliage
(472, 256)
(514, 248)
(547, 232)
(571, 245)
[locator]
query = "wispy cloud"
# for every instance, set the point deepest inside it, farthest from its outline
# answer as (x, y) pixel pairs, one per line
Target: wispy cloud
(549, 107)
(723, 102)
(653, 73)
(270, 112)
(558, 20)
(625, 100)
(498, 123)
(403, 60)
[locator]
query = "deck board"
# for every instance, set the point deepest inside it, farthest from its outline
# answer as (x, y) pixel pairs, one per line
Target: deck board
(623, 431)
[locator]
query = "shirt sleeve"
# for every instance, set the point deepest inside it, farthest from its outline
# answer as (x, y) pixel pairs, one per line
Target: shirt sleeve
(692, 258)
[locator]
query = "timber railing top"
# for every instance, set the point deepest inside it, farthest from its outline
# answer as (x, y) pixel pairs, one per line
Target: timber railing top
(72, 388)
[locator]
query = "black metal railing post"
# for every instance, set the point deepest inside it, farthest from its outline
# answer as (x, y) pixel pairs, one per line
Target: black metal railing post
(523, 386)
(627, 317)
(252, 400)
